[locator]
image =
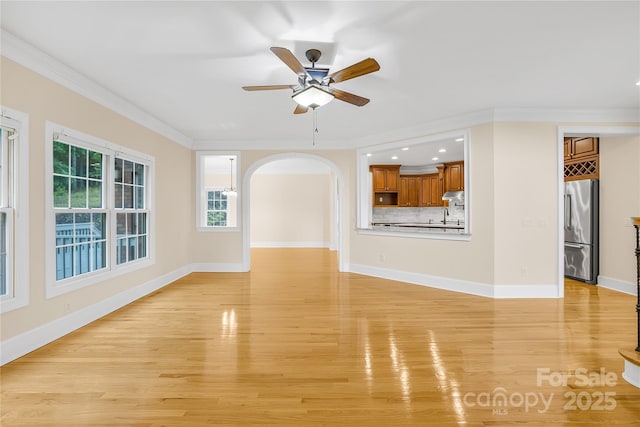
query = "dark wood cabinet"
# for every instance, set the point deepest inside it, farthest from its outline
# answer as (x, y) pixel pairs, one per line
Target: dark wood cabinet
(578, 147)
(454, 176)
(408, 194)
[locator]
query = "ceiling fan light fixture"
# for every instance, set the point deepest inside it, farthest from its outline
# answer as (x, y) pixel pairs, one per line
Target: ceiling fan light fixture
(313, 96)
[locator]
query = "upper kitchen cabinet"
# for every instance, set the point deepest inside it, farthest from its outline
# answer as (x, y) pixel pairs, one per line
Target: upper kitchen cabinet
(454, 176)
(577, 147)
(408, 195)
(431, 190)
(385, 177)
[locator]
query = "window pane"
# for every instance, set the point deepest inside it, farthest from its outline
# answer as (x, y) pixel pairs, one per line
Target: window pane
(133, 248)
(64, 262)
(95, 194)
(60, 158)
(99, 230)
(82, 228)
(139, 193)
(121, 250)
(95, 165)
(118, 171)
(64, 229)
(78, 193)
(210, 205)
(118, 196)
(78, 161)
(121, 225)
(60, 192)
(128, 197)
(139, 174)
(142, 223)
(132, 224)
(142, 246)
(100, 255)
(128, 172)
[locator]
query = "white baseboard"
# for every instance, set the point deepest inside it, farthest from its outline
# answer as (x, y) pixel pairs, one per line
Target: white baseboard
(290, 245)
(618, 285)
(216, 268)
(457, 285)
(33, 339)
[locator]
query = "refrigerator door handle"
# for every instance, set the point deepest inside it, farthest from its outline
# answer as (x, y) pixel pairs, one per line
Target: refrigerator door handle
(567, 211)
(574, 246)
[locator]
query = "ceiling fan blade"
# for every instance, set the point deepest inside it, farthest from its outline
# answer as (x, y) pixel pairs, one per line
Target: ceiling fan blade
(300, 109)
(289, 58)
(361, 68)
(268, 87)
(349, 97)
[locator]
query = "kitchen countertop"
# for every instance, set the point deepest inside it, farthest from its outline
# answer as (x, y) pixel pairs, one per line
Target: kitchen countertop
(417, 226)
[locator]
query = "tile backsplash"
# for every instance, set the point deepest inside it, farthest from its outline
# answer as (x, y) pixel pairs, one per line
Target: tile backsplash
(423, 214)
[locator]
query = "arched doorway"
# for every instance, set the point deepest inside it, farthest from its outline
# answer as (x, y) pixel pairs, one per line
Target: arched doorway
(337, 192)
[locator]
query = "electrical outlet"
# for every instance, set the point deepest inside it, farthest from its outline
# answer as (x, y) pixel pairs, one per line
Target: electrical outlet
(382, 257)
(523, 271)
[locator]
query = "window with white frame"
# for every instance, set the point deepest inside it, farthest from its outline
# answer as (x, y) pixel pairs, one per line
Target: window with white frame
(217, 190)
(100, 208)
(14, 222)
(131, 213)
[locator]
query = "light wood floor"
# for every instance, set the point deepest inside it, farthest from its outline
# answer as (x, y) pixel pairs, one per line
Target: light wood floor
(294, 343)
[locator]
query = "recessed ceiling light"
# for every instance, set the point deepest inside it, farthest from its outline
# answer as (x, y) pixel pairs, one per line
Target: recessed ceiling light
(638, 83)
(442, 150)
(459, 139)
(434, 158)
(394, 157)
(369, 154)
(405, 148)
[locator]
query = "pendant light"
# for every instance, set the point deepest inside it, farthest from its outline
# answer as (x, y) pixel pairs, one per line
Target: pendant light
(230, 191)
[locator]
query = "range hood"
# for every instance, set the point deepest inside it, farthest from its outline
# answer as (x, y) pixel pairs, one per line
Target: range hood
(454, 195)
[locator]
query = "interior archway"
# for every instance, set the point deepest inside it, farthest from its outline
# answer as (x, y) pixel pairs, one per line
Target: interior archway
(335, 195)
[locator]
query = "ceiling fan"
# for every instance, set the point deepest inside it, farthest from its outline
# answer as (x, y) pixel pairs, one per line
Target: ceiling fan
(313, 89)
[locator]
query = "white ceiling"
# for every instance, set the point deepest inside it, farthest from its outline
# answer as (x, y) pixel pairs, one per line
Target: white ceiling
(184, 62)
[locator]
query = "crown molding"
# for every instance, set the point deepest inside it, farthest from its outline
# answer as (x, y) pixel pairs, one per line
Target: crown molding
(36, 60)
(30, 57)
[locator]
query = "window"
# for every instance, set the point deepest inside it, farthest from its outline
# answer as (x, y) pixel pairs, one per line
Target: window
(99, 197)
(216, 208)
(14, 222)
(217, 191)
(80, 215)
(131, 216)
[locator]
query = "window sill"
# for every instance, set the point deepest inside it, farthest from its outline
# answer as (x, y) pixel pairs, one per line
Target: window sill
(58, 288)
(465, 237)
(218, 229)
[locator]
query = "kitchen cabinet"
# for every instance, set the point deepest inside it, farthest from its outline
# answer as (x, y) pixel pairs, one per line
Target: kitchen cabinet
(580, 147)
(385, 183)
(454, 176)
(429, 190)
(408, 194)
(385, 177)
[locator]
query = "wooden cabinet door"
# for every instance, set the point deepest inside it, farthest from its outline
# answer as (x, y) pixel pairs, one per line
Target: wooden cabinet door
(584, 147)
(435, 199)
(393, 177)
(567, 148)
(408, 191)
(379, 179)
(454, 176)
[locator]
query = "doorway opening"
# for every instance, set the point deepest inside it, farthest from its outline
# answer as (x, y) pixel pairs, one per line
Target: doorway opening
(292, 200)
(614, 207)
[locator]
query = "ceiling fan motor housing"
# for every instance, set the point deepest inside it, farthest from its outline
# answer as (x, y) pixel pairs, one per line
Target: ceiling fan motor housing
(313, 55)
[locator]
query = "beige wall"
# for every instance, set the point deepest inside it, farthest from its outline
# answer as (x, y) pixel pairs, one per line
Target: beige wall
(291, 209)
(619, 200)
(43, 100)
(526, 204)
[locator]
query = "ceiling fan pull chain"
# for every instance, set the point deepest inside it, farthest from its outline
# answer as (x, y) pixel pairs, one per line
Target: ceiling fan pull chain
(315, 125)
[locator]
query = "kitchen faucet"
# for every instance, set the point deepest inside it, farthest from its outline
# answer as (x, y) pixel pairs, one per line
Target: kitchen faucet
(445, 214)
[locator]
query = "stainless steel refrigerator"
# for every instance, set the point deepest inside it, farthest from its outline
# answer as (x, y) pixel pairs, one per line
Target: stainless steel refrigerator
(581, 230)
